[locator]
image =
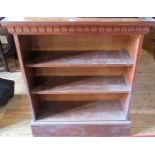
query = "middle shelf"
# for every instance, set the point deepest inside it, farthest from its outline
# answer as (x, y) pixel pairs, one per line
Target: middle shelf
(80, 85)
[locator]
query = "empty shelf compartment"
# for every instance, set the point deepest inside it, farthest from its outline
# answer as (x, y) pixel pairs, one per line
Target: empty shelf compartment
(79, 59)
(82, 85)
(77, 111)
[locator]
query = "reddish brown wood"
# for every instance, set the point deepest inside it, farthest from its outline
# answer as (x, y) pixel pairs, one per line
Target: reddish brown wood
(80, 97)
(79, 72)
(77, 43)
(79, 111)
(80, 59)
(82, 85)
(141, 37)
(78, 25)
(102, 129)
(21, 46)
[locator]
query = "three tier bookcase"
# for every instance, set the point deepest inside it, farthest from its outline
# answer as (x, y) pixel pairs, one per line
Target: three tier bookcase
(79, 72)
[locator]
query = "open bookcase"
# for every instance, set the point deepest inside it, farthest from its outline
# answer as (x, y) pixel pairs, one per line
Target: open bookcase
(79, 74)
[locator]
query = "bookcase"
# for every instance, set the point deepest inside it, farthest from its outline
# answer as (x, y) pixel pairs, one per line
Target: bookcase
(79, 72)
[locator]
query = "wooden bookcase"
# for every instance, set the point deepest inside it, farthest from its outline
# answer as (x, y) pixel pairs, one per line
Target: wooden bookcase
(79, 73)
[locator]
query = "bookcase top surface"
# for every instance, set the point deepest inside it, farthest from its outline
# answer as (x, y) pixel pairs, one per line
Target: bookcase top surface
(76, 20)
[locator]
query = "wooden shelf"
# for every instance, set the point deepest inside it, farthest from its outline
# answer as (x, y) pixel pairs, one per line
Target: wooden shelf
(79, 59)
(81, 111)
(82, 85)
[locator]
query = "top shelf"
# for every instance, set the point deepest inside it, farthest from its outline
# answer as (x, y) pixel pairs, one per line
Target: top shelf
(37, 25)
(77, 20)
(79, 59)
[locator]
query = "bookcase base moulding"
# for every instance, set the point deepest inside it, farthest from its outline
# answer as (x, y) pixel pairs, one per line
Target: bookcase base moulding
(79, 72)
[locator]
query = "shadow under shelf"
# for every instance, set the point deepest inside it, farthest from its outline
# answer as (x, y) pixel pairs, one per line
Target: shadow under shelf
(80, 111)
(80, 85)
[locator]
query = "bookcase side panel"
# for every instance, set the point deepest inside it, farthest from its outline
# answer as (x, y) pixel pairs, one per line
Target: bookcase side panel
(22, 48)
(134, 49)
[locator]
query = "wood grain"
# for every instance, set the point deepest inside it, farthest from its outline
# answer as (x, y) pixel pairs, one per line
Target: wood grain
(103, 129)
(41, 20)
(80, 59)
(96, 43)
(79, 71)
(78, 25)
(78, 43)
(82, 85)
(84, 111)
(21, 45)
(79, 97)
(15, 117)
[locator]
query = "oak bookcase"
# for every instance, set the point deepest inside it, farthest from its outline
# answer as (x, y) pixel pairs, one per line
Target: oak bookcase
(79, 72)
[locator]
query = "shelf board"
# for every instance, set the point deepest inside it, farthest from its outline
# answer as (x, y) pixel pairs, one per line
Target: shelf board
(81, 111)
(79, 59)
(82, 85)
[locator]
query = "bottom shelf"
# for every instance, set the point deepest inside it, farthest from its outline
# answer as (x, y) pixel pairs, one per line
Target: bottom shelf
(82, 118)
(81, 111)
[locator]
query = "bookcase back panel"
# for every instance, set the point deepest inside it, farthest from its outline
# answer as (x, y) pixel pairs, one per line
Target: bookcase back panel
(84, 42)
(79, 71)
(78, 97)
